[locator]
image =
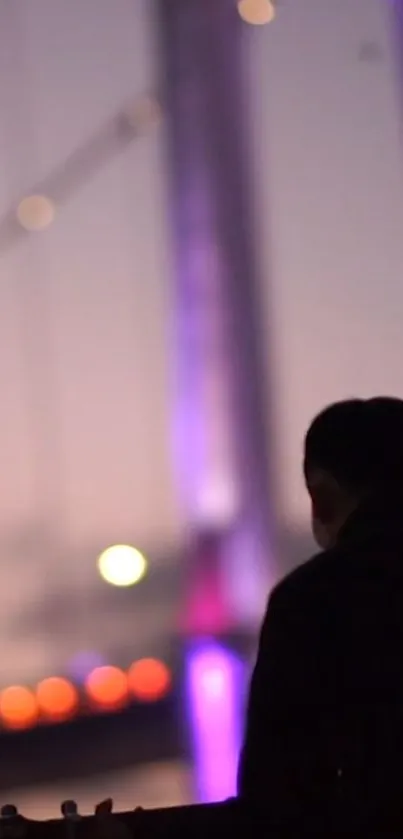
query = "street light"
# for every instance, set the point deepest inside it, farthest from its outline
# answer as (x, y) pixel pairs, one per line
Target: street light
(35, 212)
(257, 12)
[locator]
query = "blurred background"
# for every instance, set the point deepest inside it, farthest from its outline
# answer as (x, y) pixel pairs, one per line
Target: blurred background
(201, 206)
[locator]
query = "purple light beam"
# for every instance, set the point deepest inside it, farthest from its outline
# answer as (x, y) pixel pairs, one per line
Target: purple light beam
(215, 684)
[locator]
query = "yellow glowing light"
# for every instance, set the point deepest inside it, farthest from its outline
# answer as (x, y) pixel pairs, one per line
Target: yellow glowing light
(35, 213)
(122, 565)
(257, 12)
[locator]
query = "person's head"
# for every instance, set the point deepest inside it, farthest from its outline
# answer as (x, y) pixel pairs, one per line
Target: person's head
(353, 449)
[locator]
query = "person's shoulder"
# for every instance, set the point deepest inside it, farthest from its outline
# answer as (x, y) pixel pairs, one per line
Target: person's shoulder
(322, 569)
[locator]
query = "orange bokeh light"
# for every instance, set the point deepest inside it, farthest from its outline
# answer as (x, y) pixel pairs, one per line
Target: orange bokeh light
(149, 679)
(107, 688)
(18, 707)
(57, 698)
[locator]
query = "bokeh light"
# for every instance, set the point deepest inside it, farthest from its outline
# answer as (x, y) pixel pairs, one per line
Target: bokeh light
(35, 213)
(57, 698)
(144, 114)
(122, 565)
(18, 707)
(257, 12)
(107, 688)
(149, 680)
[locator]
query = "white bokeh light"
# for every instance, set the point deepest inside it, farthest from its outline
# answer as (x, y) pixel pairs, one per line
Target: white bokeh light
(35, 212)
(257, 12)
(122, 565)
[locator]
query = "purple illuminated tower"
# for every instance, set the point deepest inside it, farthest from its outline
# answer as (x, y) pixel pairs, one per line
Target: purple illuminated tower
(220, 413)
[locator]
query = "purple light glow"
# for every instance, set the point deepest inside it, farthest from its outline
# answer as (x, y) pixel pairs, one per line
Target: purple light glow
(246, 575)
(214, 681)
(81, 665)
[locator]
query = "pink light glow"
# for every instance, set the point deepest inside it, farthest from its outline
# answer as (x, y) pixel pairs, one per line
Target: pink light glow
(214, 680)
(205, 611)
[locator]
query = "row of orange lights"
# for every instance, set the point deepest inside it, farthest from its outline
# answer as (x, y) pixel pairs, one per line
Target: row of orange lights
(108, 688)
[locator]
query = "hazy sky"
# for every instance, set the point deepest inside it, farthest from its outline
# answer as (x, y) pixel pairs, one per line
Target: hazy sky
(329, 160)
(83, 307)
